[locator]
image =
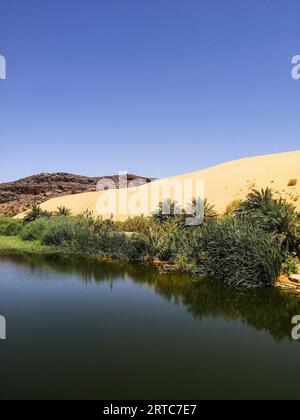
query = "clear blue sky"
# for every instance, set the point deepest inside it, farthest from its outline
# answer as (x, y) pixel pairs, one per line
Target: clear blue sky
(155, 87)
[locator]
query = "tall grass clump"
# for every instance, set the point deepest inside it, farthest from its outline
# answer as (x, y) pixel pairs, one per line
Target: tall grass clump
(139, 247)
(89, 237)
(100, 243)
(167, 243)
(9, 226)
(240, 254)
(109, 244)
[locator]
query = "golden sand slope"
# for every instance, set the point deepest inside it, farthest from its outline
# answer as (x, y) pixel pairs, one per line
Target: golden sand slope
(223, 184)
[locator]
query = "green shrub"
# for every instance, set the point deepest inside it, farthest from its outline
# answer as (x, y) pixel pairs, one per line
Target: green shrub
(104, 225)
(184, 264)
(272, 215)
(34, 230)
(240, 254)
(167, 244)
(138, 224)
(9, 226)
(114, 245)
(140, 248)
(289, 264)
(174, 242)
(63, 229)
(82, 235)
(191, 243)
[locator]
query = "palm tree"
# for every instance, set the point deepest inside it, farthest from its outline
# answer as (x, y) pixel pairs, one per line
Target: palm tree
(63, 211)
(35, 212)
(209, 209)
(272, 215)
(168, 210)
(256, 200)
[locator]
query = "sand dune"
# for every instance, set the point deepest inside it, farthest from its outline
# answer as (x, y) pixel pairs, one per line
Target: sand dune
(222, 185)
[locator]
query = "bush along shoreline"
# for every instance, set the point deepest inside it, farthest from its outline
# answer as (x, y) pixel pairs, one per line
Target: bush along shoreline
(250, 246)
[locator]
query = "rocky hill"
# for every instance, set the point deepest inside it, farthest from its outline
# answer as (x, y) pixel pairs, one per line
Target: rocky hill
(18, 196)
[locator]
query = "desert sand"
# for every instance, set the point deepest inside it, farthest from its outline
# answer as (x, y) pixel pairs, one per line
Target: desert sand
(223, 184)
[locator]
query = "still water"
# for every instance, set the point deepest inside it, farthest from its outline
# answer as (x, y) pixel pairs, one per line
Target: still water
(85, 330)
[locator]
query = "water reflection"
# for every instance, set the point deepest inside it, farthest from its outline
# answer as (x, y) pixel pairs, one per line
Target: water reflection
(269, 309)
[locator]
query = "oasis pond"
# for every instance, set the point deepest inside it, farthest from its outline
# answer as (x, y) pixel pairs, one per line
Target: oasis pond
(79, 329)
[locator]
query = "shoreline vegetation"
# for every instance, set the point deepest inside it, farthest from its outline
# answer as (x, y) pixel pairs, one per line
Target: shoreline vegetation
(253, 245)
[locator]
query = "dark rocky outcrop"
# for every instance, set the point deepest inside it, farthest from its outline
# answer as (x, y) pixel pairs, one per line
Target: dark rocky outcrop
(18, 196)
